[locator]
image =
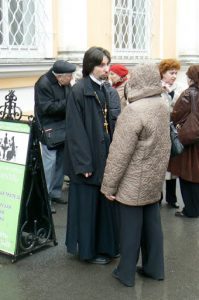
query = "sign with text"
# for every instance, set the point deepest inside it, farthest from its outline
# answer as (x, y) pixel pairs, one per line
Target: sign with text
(14, 140)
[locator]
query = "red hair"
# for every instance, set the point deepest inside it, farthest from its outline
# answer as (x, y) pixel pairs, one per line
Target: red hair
(168, 64)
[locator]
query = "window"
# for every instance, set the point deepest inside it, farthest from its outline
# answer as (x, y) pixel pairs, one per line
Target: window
(131, 28)
(23, 28)
(22, 23)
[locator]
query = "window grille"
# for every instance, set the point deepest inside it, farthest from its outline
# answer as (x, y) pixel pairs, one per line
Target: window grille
(131, 28)
(23, 28)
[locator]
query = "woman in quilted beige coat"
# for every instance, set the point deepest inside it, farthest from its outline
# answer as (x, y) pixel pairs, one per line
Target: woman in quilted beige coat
(135, 172)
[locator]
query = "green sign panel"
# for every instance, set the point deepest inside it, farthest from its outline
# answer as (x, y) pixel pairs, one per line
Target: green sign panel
(14, 139)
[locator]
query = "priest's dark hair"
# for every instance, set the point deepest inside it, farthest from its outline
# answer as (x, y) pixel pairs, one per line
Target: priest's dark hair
(93, 57)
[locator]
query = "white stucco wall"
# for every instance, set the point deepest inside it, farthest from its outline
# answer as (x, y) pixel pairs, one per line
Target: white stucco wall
(187, 28)
(25, 98)
(72, 27)
(182, 78)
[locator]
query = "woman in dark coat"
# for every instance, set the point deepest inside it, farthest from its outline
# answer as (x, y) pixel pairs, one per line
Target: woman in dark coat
(92, 110)
(186, 165)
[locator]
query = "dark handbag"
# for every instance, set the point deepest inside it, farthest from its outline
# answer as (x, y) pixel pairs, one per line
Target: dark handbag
(176, 146)
(54, 135)
(188, 132)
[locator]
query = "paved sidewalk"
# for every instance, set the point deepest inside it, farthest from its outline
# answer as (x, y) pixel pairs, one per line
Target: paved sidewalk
(53, 274)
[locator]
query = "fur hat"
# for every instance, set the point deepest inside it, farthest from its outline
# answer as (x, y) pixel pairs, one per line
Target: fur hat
(62, 67)
(120, 70)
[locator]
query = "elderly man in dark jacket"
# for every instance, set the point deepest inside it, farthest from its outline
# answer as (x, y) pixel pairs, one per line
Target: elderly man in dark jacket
(51, 93)
(92, 111)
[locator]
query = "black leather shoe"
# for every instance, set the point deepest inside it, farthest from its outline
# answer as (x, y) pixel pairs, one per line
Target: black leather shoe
(116, 256)
(141, 272)
(180, 214)
(99, 260)
(115, 275)
(59, 200)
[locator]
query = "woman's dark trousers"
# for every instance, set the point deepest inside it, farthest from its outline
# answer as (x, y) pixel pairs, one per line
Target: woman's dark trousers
(171, 191)
(140, 228)
(190, 196)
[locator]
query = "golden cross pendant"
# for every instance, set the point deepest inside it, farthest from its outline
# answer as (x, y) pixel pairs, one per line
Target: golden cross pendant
(106, 126)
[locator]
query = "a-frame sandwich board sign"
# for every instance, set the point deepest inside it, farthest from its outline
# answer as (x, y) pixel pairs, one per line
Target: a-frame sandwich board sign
(26, 222)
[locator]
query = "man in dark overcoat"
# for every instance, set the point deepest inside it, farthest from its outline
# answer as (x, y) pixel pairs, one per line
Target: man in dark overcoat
(51, 93)
(92, 111)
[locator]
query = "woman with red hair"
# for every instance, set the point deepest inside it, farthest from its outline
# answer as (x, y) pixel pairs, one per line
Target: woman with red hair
(168, 71)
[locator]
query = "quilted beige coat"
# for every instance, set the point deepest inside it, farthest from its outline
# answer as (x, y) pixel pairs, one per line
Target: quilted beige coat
(139, 153)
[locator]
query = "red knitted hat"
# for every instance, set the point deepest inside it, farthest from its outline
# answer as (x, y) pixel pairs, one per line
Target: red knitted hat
(120, 70)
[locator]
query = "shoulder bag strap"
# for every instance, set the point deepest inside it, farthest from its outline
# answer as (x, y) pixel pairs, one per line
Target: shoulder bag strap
(193, 101)
(38, 123)
(126, 91)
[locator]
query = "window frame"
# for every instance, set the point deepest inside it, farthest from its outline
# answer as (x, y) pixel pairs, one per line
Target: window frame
(130, 12)
(42, 32)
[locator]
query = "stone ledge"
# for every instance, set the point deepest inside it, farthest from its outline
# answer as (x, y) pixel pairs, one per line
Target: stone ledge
(10, 68)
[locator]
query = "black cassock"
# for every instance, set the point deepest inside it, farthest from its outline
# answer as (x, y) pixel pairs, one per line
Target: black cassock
(92, 223)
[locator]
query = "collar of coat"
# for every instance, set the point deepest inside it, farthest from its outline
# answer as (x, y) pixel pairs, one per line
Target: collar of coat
(51, 77)
(99, 82)
(88, 88)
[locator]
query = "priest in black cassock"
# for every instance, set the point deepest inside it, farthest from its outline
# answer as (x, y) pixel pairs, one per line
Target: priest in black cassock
(92, 110)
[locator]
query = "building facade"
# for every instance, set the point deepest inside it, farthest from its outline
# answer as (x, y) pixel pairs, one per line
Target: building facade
(34, 33)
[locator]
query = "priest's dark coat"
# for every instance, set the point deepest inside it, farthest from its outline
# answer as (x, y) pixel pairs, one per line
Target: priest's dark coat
(91, 224)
